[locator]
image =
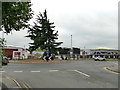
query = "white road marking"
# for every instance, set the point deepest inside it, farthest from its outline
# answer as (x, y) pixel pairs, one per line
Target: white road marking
(53, 70)
(17, 71)
(82, 73)
(16, 83)
(34, 71)
(2, 71)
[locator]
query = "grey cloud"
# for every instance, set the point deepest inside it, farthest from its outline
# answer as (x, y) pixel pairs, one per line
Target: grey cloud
(100, 31)
(90, 27)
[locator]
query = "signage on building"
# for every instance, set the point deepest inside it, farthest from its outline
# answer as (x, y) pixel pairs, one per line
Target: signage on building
(17, 54)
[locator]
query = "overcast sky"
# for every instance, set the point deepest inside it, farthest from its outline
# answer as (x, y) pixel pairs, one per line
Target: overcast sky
(92, 23)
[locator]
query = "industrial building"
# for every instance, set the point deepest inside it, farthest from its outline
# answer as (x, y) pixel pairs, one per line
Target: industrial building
(105, 53)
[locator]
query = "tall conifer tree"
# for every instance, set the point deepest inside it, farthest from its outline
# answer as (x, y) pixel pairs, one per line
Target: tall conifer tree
(43, 34)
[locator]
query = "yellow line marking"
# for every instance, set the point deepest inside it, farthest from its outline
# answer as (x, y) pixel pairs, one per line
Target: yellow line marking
(25, 86)
(105, 68)
(14, 79)
(28, 85)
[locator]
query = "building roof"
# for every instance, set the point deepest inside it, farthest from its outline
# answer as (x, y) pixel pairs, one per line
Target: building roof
(12, 47)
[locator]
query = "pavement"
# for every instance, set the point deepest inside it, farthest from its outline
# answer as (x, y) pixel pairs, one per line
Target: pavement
(79, 74)
(8, 82)
(113, 68)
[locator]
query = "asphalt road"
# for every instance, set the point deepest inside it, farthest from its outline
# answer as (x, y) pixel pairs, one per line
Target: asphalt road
(80, 74)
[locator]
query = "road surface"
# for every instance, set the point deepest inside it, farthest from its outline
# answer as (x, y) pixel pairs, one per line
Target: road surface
(80, 74)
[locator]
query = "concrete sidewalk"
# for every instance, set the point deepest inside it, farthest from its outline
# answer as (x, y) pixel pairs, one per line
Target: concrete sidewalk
(115, 68)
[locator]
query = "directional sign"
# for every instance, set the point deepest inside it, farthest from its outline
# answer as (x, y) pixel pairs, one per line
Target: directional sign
(44, 58)
(50, 58)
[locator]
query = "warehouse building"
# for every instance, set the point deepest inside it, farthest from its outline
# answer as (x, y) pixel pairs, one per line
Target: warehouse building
(105, 53)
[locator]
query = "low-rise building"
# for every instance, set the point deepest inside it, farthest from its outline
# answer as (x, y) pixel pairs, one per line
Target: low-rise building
(105, 53)
(15, 52)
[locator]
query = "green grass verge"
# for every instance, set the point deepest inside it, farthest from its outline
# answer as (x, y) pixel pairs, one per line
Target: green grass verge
(106, 59)
(112, 60)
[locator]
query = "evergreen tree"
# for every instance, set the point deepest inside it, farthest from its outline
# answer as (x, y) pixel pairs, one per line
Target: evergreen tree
(43, 34)
(2, 42)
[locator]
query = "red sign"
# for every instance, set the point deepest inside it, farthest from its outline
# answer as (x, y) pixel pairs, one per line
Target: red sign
(16, 54)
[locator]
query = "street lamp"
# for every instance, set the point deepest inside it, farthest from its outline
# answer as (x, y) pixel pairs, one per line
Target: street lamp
(71, 41)
(71, 51)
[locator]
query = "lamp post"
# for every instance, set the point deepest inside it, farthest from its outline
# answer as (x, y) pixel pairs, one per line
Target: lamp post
(71, 41)
(71, 51)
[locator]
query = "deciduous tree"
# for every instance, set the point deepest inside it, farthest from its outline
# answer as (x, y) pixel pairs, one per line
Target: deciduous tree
(15, 15)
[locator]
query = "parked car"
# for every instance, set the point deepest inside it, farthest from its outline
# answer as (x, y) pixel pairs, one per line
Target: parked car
(5, 61)
(99, 58)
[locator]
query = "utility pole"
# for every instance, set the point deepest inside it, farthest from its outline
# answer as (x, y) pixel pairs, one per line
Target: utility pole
(84, 52)
(71, 41)
(71, 51)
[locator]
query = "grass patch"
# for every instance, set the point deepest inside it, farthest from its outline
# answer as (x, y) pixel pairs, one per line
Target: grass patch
(105, 59)
(85, 59)
(112, 60)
